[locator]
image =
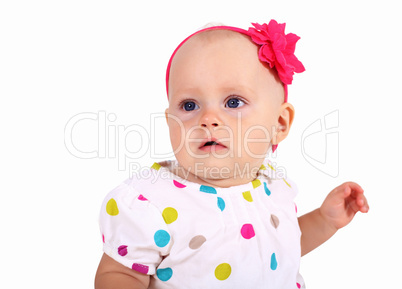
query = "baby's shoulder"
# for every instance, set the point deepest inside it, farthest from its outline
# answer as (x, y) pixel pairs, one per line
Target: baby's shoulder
(149, 184)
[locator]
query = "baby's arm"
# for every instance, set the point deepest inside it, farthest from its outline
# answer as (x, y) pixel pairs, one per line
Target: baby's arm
(337, 211)
(112, 274)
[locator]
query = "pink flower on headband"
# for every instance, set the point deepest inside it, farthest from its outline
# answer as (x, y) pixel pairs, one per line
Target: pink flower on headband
(277, 49)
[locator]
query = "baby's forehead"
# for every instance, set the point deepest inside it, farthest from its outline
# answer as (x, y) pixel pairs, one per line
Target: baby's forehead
(215, 37)
(213, 42)
(219, 35)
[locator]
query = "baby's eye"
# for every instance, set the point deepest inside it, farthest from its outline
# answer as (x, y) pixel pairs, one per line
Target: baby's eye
(234, 102)
(190, 105)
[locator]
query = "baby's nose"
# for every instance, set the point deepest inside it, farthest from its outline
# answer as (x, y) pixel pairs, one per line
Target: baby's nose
(212, 124)
(210, 119)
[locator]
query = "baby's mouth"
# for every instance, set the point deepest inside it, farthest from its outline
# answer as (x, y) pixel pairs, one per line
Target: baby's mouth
(212, 145)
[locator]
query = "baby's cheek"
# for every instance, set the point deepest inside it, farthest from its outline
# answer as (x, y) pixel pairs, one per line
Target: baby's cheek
(176, 127)
(175, 137)
(256, 140)
(185, 141)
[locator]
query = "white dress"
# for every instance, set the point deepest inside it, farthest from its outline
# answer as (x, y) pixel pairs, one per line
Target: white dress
(187, 235)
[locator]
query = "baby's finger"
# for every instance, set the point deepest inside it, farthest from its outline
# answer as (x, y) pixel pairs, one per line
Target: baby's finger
(353, 204)
(355, 189)
(358, 202)
(338, 195)
(363, 204)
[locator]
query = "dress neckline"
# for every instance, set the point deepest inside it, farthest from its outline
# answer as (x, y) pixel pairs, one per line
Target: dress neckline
(265, 174)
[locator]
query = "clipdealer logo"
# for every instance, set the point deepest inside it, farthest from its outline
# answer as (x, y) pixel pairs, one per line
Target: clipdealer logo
(320, 144)
(319, 141)
(112, 139)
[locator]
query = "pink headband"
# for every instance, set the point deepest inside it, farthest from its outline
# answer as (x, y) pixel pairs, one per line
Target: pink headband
(276, 48)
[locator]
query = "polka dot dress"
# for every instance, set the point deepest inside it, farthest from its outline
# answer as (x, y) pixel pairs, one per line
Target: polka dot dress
(186, 235)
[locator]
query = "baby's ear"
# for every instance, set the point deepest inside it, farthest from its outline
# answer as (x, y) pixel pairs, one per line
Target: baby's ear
(167, 114)
(285, 120)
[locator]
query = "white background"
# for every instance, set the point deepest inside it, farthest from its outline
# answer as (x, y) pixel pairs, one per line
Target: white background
(59, 59)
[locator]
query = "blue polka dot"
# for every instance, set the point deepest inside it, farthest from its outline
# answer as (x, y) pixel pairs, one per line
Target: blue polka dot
(267, 191)
(274, 263)
(162, 238)
(221, 204)
(164, 274)
(207, 189)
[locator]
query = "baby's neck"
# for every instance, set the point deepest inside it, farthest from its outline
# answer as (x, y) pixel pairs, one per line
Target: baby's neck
(229, 181)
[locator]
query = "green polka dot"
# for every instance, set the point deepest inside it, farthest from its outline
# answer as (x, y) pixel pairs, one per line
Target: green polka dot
(247, 196)
(169, 215)
(111, 207)
(156, 166)
(256, 183)
(223, 271)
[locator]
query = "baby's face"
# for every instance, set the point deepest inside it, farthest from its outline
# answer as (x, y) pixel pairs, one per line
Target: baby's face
(224, 106)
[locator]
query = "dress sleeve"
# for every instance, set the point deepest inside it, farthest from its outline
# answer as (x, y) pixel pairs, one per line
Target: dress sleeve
(133, 230)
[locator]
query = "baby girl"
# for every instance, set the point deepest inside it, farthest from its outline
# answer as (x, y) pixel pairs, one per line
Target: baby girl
(220, 216)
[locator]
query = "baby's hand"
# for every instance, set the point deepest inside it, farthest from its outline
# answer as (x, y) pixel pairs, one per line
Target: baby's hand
(342, 203)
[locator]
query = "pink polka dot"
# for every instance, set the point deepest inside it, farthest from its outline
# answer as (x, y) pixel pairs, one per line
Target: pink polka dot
(179, 185)
(122, 250)
(298, 285)
(247, 231)
(140, 268)
(142, 198)
(103, 238)
(295, 208)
